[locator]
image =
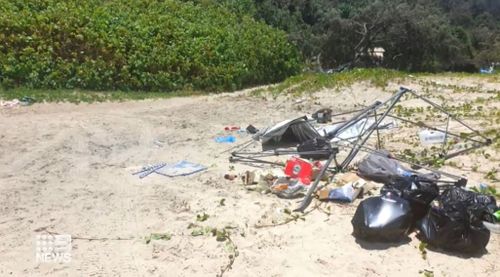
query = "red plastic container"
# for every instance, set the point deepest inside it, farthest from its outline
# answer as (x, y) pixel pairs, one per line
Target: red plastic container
(299, 169)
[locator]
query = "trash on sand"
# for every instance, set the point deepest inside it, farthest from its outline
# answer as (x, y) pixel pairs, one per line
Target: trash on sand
(251, 129)
(248, 178)
(26, 101)
(182, 168)
(345, 178)
(230, 177)
(315, 149)
(419, 193)
(431, 137)
(287, 133)
(346, 193)
(10, 104)
(323, 115)
(351, 188)
(354, 131)
(232, 128)
(455, 221)
(158, 143)
(381, 168)
(382, 218)
(299, 169)
(288, 188)
(225, 139)
(494, 228)
(487, 70)
(146, 170)
(263, 184)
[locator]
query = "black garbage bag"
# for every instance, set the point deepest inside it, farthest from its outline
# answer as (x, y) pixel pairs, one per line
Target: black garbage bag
(454, 221)
(419, 192)
(381, 168)
(382, 218)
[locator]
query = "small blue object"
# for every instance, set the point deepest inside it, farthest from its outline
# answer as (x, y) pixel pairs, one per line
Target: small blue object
(407, 174)
(483, 187)
(225, 139)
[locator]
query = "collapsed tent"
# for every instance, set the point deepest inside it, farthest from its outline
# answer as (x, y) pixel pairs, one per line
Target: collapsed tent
(353, 132)
(351, 136)
(287, 133)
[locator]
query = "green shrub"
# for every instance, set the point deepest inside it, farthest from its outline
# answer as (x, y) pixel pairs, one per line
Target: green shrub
(137, 45)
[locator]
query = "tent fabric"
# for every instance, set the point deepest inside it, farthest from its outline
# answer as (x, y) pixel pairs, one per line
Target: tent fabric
(287, 133)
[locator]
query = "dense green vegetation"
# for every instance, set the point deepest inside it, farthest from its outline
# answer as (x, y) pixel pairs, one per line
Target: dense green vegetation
(417, 35)
(214, 45)
(137, 45)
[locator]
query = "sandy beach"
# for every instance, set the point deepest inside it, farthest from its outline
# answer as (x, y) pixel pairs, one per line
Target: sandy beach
(67, 169)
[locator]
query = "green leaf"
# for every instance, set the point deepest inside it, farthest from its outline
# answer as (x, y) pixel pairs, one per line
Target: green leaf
(202, 217)
(158, 236)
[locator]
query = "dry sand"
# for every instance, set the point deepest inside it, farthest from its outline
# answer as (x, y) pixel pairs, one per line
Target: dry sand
(66, 169)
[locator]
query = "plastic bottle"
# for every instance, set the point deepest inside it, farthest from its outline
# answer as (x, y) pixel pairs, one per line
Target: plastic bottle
(431, 137)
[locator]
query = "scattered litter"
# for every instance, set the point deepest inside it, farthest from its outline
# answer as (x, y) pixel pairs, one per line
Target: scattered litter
(158, 143)
(287, 133)
(248, 178)
(381, 168)
(494, 228)
(145, 171)
(182, 168)
(288, 188)
(455, 221)
(345, 178)
(382, 218)
(431, 137)
(10, 104)
(489, 70)
(26, 101)
(251, 129)
(323, 115)
(407, 194)
(300, 169)
(315, 149)
(353, 132)
(225, 139)
(231, 128)
(230, 177)
(346, 193)
(418, 192)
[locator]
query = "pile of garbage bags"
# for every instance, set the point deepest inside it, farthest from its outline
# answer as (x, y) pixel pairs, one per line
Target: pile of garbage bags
(455, 221)
(451, 220)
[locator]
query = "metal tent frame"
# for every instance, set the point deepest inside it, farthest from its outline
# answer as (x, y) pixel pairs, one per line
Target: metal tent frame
(377, 112)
